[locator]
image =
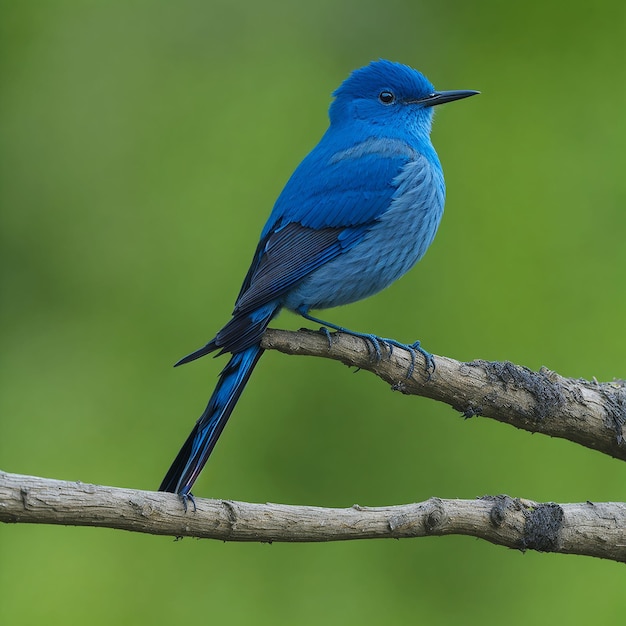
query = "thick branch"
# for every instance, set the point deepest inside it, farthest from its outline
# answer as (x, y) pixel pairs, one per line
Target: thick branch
(589, 529)
(589, 413)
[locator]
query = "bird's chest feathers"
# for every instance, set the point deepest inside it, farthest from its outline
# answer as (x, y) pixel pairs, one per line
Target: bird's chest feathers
(417, 204)
(400, 192)
(402, 234)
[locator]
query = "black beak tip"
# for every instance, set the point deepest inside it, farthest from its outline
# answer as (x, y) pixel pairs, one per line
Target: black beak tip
(441, 97)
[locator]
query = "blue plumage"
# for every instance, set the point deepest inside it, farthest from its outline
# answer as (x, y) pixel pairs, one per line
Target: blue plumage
(358, 212)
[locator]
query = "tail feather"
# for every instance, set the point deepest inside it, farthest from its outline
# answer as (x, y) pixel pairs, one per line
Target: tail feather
(241, 332)
(241, 336)
(200, 443)
(210, 347)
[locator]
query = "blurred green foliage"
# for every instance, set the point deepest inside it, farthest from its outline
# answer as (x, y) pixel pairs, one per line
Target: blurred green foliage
(142, 144)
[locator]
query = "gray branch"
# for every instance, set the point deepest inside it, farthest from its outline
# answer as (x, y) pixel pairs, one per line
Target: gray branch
(592, 529)
(589, 413)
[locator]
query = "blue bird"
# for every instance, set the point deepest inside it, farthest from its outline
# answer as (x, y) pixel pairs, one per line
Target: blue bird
(358, 212)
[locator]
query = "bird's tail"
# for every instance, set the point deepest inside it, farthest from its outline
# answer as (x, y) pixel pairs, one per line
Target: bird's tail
(196, 450)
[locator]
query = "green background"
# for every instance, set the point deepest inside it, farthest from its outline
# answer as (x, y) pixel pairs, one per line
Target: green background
(142, 145)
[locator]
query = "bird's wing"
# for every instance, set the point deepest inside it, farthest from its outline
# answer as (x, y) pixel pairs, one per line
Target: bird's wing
(328, 204)
(287, 255)
(343, 187)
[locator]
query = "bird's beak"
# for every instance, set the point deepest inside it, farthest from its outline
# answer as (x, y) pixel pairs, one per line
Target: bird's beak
(441, 97)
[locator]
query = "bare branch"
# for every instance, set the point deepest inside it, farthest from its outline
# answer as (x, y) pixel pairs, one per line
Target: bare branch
(588, 529)
(589, 413)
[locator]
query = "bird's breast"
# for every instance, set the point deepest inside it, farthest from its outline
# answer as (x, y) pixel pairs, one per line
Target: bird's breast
(396, 240)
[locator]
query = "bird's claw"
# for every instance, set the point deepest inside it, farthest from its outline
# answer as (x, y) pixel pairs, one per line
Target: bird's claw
(373, 346)
(412, 349)
(328, 336)
(428, 357)
(188, 497)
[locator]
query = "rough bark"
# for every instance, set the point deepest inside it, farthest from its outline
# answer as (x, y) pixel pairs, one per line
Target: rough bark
(589, 413)
(593, 529)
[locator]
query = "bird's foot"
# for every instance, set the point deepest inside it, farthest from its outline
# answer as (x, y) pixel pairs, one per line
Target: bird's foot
(188, 497)
(373, 343)
(328, 336)
(412, 349)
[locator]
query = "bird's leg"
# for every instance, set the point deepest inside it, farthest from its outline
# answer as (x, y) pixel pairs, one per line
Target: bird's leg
(372, 341)
(375, 341)
(373, 344)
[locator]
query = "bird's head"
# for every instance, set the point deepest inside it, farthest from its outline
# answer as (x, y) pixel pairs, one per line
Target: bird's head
(388, 93)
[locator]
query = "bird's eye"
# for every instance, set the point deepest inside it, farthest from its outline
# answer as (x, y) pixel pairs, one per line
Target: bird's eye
(386, 97)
